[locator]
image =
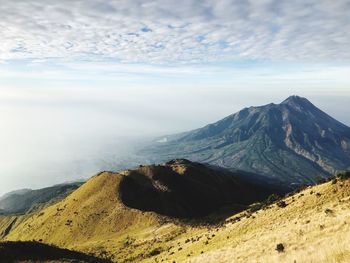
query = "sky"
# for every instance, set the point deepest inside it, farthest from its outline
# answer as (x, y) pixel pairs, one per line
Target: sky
(83, 82)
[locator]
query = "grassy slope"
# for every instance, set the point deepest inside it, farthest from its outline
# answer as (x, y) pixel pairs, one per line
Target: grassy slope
(308, 233)
(102, 225)
(88, 219)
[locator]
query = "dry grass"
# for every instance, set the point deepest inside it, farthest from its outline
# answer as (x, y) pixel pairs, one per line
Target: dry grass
(313, 227)
(308, 233)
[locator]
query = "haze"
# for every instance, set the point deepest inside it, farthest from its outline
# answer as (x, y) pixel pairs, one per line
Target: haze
(82, 83)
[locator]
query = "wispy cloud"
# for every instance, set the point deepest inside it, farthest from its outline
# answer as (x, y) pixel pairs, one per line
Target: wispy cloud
(182, 31)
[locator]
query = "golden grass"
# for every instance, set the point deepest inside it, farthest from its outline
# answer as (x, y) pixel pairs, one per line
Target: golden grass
(314, 227)
(307, 232)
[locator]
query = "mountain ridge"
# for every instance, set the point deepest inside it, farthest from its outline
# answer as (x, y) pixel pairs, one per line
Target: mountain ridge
(25, 200)
(92, 220)
(292, 143)
(108, 203)
(184, 189)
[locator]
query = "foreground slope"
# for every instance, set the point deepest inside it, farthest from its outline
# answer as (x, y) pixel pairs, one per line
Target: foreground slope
(291, 143)
(96, 219)
(312, 225)
(91, 213)
(37, 252)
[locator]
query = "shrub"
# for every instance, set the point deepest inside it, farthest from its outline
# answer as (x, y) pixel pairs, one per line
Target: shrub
(155, 252)
(320, 180)
(280, 248)
(255, 207)
(272, 198)
(344, 175)
(301, 188)
(328, 211)
(281, 204)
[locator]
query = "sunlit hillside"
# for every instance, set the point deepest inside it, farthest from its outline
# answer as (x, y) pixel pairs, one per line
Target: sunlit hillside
(190, 131)
(310, 226)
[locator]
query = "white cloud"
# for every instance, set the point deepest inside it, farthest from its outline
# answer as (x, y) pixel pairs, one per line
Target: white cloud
(183, 31)
(64, 118)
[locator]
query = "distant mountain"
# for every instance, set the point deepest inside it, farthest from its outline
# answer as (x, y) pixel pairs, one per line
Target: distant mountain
(290, 143)
(24, 200)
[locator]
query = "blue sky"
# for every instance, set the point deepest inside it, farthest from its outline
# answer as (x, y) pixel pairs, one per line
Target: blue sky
(81, 79)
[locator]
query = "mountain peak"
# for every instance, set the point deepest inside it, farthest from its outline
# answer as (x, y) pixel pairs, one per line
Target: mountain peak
(298, 102)
(294, 99)
(288, 143)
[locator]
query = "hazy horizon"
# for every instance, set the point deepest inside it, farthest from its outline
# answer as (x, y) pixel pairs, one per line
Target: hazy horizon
(55, 149)
(82, 82)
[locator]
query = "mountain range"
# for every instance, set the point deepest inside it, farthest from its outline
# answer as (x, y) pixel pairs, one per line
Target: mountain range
(239, 204)
(289, 144)
(27, 200)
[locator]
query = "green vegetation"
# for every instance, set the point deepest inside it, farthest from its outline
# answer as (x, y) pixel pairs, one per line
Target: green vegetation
(23, 201)
(284, 145)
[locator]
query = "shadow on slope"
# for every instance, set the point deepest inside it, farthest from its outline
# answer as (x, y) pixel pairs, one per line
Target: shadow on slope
(185, 189)
(34, 251)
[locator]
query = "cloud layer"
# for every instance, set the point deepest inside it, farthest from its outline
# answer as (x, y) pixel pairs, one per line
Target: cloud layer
(168, 31)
